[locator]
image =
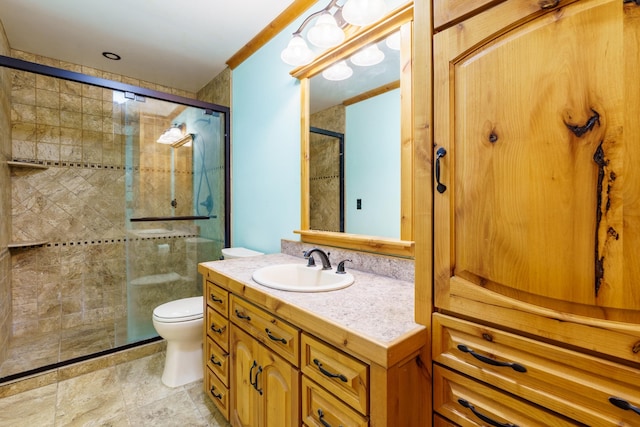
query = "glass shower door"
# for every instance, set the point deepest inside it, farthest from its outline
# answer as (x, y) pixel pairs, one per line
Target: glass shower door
(174, 205)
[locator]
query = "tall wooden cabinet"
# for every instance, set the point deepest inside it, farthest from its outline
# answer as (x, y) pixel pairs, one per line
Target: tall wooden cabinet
(537, 210)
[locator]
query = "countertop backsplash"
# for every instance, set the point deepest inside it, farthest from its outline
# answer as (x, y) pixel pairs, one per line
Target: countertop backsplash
(390, 266)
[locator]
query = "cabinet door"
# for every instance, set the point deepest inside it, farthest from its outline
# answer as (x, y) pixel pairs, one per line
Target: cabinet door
(279, 383)
(265, 388)
(244, 367)
(542, 197)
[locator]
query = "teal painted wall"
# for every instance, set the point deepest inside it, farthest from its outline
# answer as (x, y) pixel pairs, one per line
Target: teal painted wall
(265, 114)
(372, 162)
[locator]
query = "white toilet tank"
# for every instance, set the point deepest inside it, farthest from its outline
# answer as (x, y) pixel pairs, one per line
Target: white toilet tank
(239, 252)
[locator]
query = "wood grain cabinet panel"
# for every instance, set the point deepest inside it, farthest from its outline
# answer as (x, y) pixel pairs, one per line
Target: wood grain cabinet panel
(217, 360)
(470, 403)
(217, 298)
(217, 328)
(217, 392)
(276, 334)
(562, 380)
(346, 377)
(320, 408)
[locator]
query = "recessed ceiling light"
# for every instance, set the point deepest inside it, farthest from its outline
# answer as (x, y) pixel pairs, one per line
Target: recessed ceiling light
(111, 55)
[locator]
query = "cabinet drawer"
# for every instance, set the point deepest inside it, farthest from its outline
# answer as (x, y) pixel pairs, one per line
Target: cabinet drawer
(570, 383)
(467, 402)
(319, 408)
(217, 298)
(217, 392)
(279, 336)
(217, 361)
(341, 374)
(218, 328)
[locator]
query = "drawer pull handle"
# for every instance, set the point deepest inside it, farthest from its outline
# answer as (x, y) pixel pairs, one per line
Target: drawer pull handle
(213, 392)
(273, 337)
(321, 419)
(484, 417)
(217, 330)
(624, 404)
(214, 361)
(215, 299)
(243, 316)
(515, 366)
(329, 374)
(439, 154)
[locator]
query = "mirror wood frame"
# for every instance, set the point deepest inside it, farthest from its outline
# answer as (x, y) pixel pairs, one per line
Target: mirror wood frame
(401, 18)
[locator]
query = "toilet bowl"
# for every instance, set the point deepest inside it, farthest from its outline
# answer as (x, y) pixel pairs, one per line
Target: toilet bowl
(239, 252)
(180, 323)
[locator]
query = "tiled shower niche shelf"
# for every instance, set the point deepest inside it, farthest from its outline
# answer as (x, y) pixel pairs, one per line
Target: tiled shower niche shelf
(27, 244)
(27, 165)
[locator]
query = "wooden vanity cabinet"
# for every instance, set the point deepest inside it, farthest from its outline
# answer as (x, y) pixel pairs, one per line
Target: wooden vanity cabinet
(537, 202)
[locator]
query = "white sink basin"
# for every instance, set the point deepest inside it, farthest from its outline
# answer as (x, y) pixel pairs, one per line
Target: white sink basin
(300, 278)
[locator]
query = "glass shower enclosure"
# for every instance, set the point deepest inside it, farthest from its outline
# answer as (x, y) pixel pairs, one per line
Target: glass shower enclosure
(118, 192)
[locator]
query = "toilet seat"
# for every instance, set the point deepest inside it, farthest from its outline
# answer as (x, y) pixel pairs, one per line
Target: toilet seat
(181, 310)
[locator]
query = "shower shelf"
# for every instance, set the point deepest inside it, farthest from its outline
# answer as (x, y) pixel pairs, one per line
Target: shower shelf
(27, 165)
(169, 218)
(27, 244)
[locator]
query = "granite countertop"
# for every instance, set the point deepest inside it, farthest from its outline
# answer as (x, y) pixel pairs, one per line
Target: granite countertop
(377, 308)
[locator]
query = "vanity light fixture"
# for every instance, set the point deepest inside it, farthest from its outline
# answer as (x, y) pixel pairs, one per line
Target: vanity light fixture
(363, 12)
(328, 28)
(176, 136)
(393, 41)
(338, 71)
(368, 56)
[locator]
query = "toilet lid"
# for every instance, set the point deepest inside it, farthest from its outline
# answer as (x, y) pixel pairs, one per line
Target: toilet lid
(180, 310)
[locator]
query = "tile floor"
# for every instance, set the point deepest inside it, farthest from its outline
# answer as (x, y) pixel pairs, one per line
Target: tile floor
(127, 394)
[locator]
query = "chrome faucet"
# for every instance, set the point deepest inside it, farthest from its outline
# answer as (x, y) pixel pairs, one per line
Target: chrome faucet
(324, 256)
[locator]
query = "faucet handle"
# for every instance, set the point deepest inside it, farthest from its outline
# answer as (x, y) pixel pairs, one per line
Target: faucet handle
(311, 262)
(340, 269)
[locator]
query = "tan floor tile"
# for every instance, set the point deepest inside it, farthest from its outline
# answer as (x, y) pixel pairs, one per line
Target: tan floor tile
(89, 399)
(32, 408)
(172, 411)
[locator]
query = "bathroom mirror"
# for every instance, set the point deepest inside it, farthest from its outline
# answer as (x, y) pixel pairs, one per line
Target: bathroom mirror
(389, 232)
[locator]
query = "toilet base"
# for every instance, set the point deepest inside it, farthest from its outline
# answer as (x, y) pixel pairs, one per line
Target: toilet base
(183, 364)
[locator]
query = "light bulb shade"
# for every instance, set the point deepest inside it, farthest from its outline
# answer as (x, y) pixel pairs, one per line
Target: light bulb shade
(338, 71)
(325, 33)
(363, 12)
(370, 55)
(393, 41)
(297, 52)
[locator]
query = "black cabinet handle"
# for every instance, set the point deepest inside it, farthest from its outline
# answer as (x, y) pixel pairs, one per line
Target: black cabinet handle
(256, 383)
(214, 361)
(515, 366)
(439, 154)
(215, 299)
(484, 417)
(217, 330)
(329, 374)
(273, 337)
(255, 364)
(242, 316)
(321, 419)
(213, 392)
(624, 404)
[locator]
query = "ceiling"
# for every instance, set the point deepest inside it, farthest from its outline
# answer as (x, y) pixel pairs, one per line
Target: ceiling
(180, 44)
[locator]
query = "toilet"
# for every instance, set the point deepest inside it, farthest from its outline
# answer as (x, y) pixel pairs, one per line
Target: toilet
(180, 323)
(239, 252)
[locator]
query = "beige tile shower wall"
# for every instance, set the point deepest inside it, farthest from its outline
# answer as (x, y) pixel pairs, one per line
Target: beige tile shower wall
(77, 204)
(5, 200)
(324, 171)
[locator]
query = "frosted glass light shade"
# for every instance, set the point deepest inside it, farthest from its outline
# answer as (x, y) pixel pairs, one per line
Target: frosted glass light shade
(325, 33)
(370, 55)
(338, 71)
(297, 52)
(363, 12)
(393, 41)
